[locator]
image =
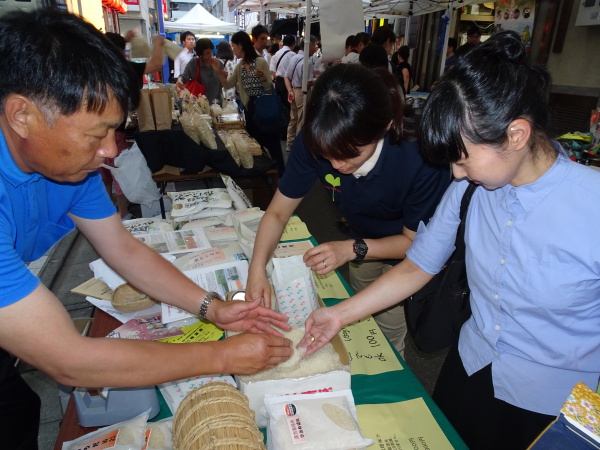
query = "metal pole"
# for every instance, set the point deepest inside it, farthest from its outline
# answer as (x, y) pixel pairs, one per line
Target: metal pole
(307, 24)
(445, 37)
(161, 31)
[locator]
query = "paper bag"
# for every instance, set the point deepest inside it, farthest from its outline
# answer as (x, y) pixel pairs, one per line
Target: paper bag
(144, 112)
(295, 290)
(245, 223)
(162, 108)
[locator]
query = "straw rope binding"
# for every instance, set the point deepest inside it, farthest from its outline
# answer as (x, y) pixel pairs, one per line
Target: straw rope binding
(216, 416)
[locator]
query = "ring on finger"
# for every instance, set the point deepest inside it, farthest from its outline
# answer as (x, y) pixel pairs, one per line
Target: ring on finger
(324, 265)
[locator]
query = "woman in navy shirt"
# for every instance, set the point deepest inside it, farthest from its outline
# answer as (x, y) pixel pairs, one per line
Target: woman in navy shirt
(352, 143)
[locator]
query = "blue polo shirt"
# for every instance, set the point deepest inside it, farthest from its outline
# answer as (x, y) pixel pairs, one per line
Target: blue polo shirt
(33, 217)
(401, 190)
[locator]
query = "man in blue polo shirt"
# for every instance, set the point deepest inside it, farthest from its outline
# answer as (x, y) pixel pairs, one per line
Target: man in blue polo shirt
(57, 125)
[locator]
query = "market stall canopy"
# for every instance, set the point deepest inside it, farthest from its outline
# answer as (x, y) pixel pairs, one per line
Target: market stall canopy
(380, 9)
(199, 19)
(281, 27)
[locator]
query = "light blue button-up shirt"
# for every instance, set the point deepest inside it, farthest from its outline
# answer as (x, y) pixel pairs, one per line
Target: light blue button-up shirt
(533, 262)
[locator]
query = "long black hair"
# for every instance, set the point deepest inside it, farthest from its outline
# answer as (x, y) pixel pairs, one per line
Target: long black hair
(69, 64)
(241, 38)
(488, 88)
(351, 106)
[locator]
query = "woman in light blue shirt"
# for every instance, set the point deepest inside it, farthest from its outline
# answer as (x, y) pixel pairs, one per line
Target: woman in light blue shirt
(533, 261)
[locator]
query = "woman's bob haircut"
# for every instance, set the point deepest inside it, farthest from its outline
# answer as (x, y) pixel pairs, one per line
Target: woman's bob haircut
(351, 106)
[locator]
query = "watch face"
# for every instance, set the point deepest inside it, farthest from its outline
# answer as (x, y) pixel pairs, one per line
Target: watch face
(360, 248)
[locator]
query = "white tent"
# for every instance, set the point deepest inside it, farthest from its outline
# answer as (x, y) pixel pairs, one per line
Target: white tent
(381, 9)
(199, 19)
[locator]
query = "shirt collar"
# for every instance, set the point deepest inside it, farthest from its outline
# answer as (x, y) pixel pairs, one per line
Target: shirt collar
(368, 165)
(10, 170)
(532, 194)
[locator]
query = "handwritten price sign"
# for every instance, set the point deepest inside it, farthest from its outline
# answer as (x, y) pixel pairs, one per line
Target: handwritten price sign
(370, 352)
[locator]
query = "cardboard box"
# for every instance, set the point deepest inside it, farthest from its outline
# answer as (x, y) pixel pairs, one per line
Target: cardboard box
(335, 380)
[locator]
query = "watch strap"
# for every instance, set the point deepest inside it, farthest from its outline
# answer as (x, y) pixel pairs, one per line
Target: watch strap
(206, 303)
(360, 250)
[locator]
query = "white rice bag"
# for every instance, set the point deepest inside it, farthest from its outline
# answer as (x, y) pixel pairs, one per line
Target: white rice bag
(127, 435)
(313, 422)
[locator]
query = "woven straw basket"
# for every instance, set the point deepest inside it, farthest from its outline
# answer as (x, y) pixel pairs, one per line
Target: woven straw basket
(127, 299)
(216, 416)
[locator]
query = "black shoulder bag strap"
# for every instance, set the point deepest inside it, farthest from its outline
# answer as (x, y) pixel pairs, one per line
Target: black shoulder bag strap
(279, 62)
(294, 71)
(459, 253)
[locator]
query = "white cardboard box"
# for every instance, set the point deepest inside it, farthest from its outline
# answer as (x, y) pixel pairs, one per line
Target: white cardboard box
(335, 380)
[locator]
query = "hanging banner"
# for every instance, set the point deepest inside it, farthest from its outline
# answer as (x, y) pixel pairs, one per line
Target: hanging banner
(133, 5)
(516, 15)
(339, 19)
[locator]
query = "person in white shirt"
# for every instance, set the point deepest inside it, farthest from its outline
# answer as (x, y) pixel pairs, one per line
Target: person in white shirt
(293, 83)
(260, 37)
(278, 66)
(188, 40)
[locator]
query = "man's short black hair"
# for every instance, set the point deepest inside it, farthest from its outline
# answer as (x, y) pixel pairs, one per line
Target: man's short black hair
(183, 36)
(258, 30)
(383, 34)
(289, 40)
(49, 75)
(473, 31)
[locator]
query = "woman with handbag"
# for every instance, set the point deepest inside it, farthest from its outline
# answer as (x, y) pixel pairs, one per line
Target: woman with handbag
(204, 69)
(252, 78)
(532, 265)
(352, 143)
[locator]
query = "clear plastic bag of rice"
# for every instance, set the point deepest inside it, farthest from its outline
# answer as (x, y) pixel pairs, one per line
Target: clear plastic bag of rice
(187, 123)
(160, 435)
(229, 145)
(140, 47)
(204, 105)
(216, 110)
(205, 134)
(171, 49)
(313, 422)
(229, 106)
(127, 435)
(246, 157)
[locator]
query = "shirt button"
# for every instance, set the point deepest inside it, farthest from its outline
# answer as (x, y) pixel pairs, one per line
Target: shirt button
(502, 260)
(497, 327)
(495, 296)
(496, 353)
(509, 223)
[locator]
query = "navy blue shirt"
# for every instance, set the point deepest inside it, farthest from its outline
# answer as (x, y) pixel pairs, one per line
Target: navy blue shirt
(401, 190)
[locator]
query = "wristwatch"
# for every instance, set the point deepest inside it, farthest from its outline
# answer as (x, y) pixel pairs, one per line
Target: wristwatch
(206, 303)
(360, 250)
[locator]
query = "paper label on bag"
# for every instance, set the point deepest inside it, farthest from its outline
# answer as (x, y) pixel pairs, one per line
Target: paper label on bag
(295, 291)
(297, 300)
(294, 424)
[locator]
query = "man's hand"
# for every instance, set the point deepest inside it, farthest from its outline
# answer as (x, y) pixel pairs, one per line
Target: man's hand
(247, 353)
(291, 97)
(246, 316)
(329, 256)
(259, 288)
(320, 327)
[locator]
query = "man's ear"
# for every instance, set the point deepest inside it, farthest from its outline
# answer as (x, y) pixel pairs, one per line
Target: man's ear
(19, 111)
(519, 131)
